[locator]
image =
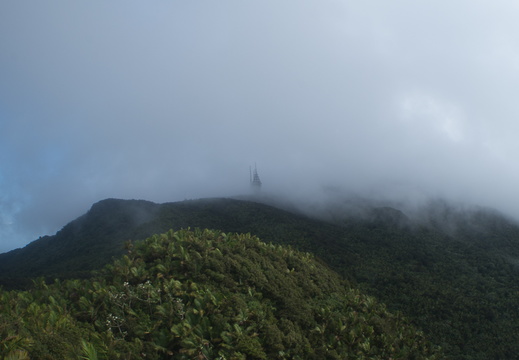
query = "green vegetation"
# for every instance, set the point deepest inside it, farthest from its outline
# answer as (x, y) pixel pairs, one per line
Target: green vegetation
(454, 278)
(205, 295)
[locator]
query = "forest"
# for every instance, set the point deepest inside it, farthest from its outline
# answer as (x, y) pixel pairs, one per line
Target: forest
(453, 278)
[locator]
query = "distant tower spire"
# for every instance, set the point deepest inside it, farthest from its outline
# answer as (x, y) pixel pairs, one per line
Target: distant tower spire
(255, 182)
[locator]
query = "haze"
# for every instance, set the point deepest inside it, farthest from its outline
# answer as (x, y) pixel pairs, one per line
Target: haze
(171, 100)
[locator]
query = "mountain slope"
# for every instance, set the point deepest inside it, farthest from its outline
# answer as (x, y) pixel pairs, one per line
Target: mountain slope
(84, 244)
(94, 238)
(454, 276)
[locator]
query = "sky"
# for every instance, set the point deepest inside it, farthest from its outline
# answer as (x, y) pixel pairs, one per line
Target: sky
(174, 100)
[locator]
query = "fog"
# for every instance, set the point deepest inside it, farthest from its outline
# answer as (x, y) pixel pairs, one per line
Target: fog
(167, 101)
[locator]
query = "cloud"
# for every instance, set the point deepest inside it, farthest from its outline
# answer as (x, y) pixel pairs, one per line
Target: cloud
(168, 101)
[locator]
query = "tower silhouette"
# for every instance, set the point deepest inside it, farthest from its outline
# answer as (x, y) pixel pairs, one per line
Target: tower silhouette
(255, 182)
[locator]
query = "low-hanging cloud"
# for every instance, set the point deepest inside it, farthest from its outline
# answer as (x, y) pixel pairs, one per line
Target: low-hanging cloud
(176, 100)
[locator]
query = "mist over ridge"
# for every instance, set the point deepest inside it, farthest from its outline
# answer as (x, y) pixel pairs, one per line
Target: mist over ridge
(337, 205)
(403, 101)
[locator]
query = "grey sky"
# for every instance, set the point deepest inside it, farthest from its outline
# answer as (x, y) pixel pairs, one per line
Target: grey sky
(169, 100)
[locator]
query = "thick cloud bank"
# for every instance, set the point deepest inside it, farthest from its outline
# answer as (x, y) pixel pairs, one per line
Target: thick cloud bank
(173, 100)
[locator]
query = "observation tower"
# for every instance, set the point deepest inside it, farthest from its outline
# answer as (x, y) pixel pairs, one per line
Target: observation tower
(255, 182)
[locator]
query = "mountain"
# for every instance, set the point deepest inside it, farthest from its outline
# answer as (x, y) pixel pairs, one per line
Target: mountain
(91, 241)
(451, 270)
(84, 244)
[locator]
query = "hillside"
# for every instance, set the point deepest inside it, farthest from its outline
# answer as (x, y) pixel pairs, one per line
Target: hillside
(91, 241)
(453, 274)
(205, 295)
(87, 243)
